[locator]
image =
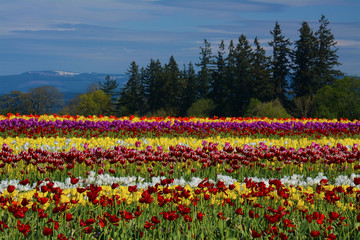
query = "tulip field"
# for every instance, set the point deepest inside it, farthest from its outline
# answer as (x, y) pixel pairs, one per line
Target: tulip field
(97, 177)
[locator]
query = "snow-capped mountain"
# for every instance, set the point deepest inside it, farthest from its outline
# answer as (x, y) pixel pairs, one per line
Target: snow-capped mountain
(65, 81)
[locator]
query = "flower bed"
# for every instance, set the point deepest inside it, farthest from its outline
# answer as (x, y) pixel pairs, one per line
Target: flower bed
(179, 178)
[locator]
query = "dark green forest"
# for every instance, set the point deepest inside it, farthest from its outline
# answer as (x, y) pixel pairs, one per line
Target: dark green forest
(299, 79)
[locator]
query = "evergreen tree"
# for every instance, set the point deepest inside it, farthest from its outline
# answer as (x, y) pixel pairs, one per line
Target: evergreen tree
(327, 58)
(230, 79)
(154, 85)
(172, 86)
(243, 76)
(218, 84)
(261, 86)
(189, 95)
(305, 81)
(142, 92)
(204, 74)
(109, 87)
(130, 98)
(280, 62)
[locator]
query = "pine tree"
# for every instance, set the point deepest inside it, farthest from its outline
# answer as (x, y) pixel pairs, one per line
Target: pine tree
(189, 95)
(280, 63)
(204, 75)
(143, 109)
(305, 81)
(218, 84)
(172, 87)
(261, 87)
(109, 87)
(130, 98)
(154, 85)
(230, 79)
(327, 58)
(243, 76)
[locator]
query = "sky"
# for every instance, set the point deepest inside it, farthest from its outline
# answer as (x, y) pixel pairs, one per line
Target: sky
(105, 36)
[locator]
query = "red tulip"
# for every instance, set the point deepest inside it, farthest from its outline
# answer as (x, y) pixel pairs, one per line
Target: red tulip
(10, 188)
(200, 216)
(333, 215)
(88, 230)
(23, 228)
(357, 181)
(74, 180)
(90, 221)
(132, 188)
(155, 220)
(47, 231)
(69, 217)
(255, 234)
(149, 225)
(314, 233)
(126, 215)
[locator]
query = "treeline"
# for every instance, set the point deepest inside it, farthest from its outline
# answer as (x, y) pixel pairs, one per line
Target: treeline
(241, 80)
(299, 79)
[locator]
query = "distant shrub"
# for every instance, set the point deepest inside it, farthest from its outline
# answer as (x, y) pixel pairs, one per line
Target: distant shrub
(203, 107)
(272, 109)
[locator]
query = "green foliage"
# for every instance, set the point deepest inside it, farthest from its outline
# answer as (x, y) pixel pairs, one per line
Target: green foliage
(94, 103)
(272, 109)
(203, 107)
(340, 100)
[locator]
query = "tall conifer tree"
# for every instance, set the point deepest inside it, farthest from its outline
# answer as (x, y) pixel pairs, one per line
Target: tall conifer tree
(327, 58)
(260, 85)
(218, 84)
(154, 85)
(305, 81)
(109, 87)
(243, 76)
(189, 95)
(280, 62)
(204, 74)
(230, 79)
(171, 95)
(130, 96)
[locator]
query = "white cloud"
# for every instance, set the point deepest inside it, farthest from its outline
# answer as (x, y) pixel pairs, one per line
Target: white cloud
(348, 43)
(299, 3)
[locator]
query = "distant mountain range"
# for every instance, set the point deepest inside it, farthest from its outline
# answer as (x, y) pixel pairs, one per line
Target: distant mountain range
(69, 83)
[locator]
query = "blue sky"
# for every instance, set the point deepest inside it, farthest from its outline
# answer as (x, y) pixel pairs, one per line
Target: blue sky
(106, 35)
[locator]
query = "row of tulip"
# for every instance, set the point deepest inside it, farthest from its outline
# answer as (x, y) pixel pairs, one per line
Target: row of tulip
(209, 210)
(127, 124)
(56, 126)
(72, 177)
(133, 118)
(182, 161)
(56, 144)
(33, 128)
